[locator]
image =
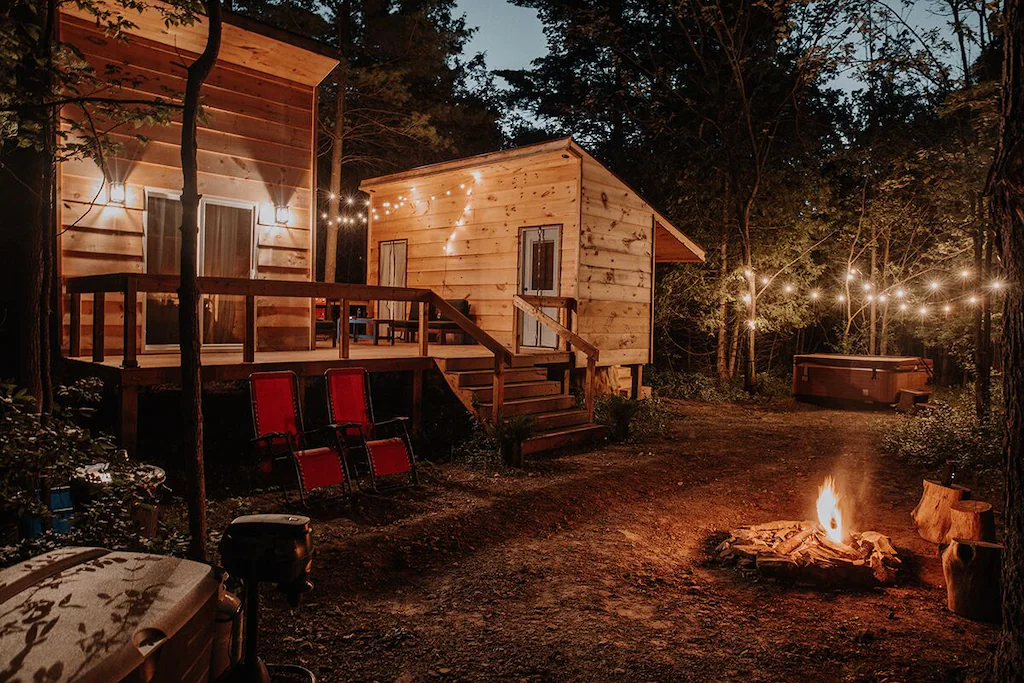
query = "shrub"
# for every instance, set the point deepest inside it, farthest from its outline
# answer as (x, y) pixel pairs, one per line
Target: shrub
(38, 452)
(948, 431)
(697, 386)
(510, 434)
(631, 420)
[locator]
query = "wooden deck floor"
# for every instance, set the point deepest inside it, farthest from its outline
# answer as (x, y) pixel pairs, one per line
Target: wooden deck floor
(227, 365)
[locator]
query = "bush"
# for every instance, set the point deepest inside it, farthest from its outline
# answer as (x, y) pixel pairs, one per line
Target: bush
(631, 420)
(40, 452)
(949, 431)
(510, 434)
(697, 386)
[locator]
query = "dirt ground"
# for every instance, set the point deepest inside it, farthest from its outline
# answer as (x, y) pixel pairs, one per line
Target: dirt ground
(596, 566)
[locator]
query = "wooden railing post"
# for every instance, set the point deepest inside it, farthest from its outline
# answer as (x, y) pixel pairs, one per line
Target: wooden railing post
(591, 372)
(75, 339)
(131, 295)
(498, 390)
(424, 330)
(249, 339)
(343, 332)
(98, 314)
(517, 329)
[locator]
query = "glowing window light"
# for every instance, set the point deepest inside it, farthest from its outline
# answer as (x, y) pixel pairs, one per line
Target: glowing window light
(283, 215)
(116, 193)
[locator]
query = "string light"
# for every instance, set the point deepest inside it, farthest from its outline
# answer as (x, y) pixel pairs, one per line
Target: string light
(788, 289)
(899, 293)
(973, 300)
(350, 201)
(751, 324)
(883, 298)
(748, 272)
(746, 298)
(947, 308)
(764, 280)
(923, 311)
(965, 274)
(842, 298)
(867, 286)
(814, 294)
(870, 297)
(934, 285)
(996, 284)
(903, 307)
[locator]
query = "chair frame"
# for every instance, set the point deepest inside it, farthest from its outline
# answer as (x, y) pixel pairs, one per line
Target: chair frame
(294, 449)
(342, 432)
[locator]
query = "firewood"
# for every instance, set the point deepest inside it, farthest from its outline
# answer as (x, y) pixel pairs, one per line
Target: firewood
(972, 519)
(972, 573)
(793, 542)
(931, 516)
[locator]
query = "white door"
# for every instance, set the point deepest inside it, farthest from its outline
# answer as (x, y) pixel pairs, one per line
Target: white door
(392, 256)
(539, 256)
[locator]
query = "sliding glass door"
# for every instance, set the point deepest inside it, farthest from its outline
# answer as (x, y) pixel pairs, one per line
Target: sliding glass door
(225, 250)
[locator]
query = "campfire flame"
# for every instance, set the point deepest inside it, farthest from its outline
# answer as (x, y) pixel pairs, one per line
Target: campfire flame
(829, 515)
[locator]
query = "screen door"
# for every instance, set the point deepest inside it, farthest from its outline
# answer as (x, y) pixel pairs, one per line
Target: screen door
(539, 256)
(226, 250)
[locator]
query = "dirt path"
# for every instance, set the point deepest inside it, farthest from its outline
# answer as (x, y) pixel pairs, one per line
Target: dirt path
(595, 567)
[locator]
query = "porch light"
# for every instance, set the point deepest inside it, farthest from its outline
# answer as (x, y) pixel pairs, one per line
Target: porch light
(282, 214)
(115, 193)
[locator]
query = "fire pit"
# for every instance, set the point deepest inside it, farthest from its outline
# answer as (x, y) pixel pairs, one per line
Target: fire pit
(814, 552)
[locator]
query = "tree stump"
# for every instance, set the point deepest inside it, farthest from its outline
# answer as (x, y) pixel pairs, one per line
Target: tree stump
(972, 573)
(972, 520)
(931, 516)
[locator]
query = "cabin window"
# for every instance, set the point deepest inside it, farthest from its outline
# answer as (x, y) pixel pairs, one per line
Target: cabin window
(163, 254)
(543, 276)
(226, 248)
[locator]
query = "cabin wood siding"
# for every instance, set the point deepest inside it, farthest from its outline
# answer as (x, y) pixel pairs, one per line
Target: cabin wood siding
(483, 265)
(615, 277)
(255, 145)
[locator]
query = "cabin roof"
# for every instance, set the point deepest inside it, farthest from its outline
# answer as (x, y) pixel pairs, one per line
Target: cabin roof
(244, 41)
(671, 244)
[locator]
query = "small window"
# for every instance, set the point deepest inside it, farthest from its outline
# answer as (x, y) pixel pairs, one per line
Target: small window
(543, 276)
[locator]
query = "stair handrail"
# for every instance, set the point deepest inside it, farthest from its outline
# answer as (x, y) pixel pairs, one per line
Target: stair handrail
(571, 338)
(502, 355)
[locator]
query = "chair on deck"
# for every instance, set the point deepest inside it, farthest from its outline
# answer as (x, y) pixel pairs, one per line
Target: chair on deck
(350, 409)
(277, 419)
(435, 321)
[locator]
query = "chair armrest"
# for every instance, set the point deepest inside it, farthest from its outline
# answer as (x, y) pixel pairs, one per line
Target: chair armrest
(271, 436)
(391, 421)
(341, 426)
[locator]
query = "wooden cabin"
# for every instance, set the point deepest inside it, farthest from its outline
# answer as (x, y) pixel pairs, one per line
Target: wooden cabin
(257, 178)
(545, 220)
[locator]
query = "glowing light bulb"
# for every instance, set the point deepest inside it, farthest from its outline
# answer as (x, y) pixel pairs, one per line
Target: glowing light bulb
(332, 196)
(842, 298)
(748, 272)
(883, 298)
(903, 307)
(323, 215)
(788, 289)
(431, 197)
(814, 294)
(899, 293)
(447, 192)
(462, 186)
(849, 276)
(867, 286)
(350, 201)
(996, 284)
(947, 308)
(973, 300)
(965, 274)
(934, 285)
(923, 310)
(870, 297)
(764, 280)
(751, 324)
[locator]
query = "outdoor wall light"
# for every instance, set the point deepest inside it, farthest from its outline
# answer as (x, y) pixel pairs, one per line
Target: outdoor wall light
(282, 215)
(115, 193)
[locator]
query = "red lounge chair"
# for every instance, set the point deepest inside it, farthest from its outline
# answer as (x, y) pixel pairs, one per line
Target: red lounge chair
(277, 419)
(349, 406)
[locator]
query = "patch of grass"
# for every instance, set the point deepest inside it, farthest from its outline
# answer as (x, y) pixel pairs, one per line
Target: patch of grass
(949, 431)
(630, 420)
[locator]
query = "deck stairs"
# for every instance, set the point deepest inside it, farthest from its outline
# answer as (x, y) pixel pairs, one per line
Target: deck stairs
(528, 390)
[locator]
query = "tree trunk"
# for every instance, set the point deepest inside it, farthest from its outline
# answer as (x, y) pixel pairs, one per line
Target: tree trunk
(188, 291)
(873, 324)
(722, 352)
(27, 204)
(734, 347)
(337, 149)
(1006, 189)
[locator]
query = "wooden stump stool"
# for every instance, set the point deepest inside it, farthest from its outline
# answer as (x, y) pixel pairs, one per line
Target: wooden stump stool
(972, 573)
(931, 516)
(972, 520)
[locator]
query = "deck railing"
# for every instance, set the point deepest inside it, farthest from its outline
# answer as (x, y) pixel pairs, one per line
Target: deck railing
(530, 305)
(132, 284)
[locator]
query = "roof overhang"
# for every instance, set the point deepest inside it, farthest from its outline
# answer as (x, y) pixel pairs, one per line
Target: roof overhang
(244, 42)
(672, 246)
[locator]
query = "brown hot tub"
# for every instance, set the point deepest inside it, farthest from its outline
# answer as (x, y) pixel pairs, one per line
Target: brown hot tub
(864, 379)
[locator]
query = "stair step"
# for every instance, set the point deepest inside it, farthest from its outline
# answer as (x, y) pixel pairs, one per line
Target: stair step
(519, 390)
(571, 436)
(543, 404)
(471, 363)
(482, 378)
(560, 419)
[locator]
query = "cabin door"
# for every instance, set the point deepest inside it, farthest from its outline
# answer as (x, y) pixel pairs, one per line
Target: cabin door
(391, 272)
(539, 258)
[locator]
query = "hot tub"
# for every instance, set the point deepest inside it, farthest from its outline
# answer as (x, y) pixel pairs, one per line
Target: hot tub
(861, 379)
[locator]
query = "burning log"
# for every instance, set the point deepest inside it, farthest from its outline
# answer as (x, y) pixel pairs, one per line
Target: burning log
(972, 573)
(931, 516)
(972, 520)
